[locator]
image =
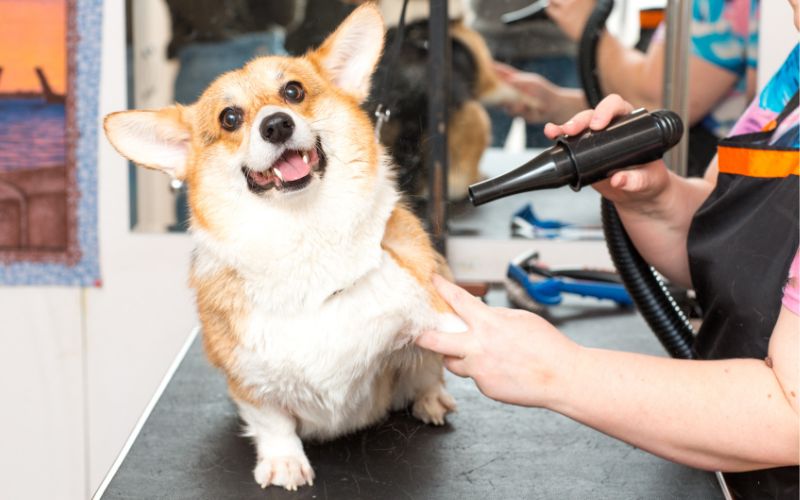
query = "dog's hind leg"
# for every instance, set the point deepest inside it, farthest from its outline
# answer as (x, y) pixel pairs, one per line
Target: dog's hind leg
(422, 381)
(281, 460)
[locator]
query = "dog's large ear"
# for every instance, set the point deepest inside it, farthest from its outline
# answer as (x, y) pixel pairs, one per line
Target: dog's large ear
(158, 139)
(350, 54)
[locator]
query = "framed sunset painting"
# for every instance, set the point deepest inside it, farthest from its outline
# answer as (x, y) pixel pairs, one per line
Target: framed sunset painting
(48, 92)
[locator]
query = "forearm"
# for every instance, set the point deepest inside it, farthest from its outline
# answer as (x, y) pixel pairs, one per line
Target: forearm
(719, 415)
(659, 227)
(730, 415)
(567, 103)
(634, 75)
(638, 77)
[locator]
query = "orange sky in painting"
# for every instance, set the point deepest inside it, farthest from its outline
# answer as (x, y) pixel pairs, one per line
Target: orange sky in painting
(32, 33)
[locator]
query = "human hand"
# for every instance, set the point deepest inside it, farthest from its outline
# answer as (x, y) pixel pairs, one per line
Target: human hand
(513, 356)
(571, 15)
(632, 188)
(539, 100)
(536, 92)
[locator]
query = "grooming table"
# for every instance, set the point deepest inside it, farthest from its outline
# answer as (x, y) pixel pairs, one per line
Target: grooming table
(190, 444)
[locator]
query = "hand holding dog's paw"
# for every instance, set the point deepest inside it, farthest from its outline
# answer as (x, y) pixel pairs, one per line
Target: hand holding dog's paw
(432, 406)
(289, 472)
(513, 356)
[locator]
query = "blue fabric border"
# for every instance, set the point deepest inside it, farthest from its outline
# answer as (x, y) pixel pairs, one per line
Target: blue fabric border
(86, 272)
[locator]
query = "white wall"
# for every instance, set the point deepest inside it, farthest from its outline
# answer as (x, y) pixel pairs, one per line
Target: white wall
(42, 433)
(776, 37)
(77, 367)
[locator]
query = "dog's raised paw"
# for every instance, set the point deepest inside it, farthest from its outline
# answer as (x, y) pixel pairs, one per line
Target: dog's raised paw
(289, 472)
(432, 406)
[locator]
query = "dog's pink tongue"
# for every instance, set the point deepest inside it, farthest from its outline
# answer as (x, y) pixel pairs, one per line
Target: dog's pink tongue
(292, 166)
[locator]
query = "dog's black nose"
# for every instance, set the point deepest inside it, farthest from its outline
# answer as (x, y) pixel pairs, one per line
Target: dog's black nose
(277, 128)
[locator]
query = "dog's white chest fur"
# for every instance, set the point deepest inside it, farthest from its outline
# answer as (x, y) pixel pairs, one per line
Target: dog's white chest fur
(322, 364)
(330, 310)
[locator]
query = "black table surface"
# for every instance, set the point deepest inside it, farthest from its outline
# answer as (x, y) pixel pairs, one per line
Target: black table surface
(191, 446)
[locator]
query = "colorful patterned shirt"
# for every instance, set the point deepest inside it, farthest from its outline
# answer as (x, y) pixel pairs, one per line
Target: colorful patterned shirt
(783, 85)
(725, 33)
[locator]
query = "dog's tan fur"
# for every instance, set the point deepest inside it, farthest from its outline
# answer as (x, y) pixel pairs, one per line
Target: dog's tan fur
(313, 326)
(409, 245)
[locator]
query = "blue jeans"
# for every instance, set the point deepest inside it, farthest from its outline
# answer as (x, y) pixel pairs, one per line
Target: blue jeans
(202, 62)
(561, 70)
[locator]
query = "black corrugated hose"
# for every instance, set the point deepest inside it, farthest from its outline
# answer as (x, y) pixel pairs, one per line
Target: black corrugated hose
(646, 287)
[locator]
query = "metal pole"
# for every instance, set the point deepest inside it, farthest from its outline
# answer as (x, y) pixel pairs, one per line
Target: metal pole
(676, 78)
(438, 86)
(676, 98)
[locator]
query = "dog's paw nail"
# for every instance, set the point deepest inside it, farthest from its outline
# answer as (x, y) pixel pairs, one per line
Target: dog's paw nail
(433, 405)
(289, 472)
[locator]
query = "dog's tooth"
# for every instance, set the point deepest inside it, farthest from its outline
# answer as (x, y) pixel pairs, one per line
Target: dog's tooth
(305, 157)
(277, 173)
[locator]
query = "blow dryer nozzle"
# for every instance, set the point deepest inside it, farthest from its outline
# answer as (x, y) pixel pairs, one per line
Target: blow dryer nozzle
(637, 138)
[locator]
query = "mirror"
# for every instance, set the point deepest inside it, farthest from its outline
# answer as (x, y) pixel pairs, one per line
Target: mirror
(177, 47)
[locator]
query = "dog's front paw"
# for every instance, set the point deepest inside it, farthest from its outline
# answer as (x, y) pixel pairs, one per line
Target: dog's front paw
(289, 472)
(431, 406)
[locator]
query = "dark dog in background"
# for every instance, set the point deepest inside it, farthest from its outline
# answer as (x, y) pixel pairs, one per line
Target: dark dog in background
(402, 83)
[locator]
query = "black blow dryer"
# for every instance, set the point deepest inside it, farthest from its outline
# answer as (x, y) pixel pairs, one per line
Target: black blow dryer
(584, 159)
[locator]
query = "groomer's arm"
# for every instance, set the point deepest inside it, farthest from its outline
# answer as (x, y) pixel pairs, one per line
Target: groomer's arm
(655, 205)
(729, 415)
(659, 224)
(638, 76)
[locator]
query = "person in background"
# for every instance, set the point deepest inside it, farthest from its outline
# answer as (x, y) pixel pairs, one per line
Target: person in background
(535, 46)
(722, 71)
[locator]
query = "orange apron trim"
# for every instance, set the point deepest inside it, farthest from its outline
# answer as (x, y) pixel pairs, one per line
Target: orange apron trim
(649, 19)
(768, 163)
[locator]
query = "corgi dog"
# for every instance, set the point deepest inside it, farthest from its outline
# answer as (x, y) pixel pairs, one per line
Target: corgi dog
(312, 279)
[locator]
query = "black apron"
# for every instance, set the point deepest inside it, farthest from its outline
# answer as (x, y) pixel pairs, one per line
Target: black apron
(741, 243)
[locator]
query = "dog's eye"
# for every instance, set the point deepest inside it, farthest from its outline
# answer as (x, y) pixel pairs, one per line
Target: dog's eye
(231, 119)
(293, 92)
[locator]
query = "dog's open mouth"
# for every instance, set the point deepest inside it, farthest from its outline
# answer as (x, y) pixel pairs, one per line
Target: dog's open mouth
(291, 172)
